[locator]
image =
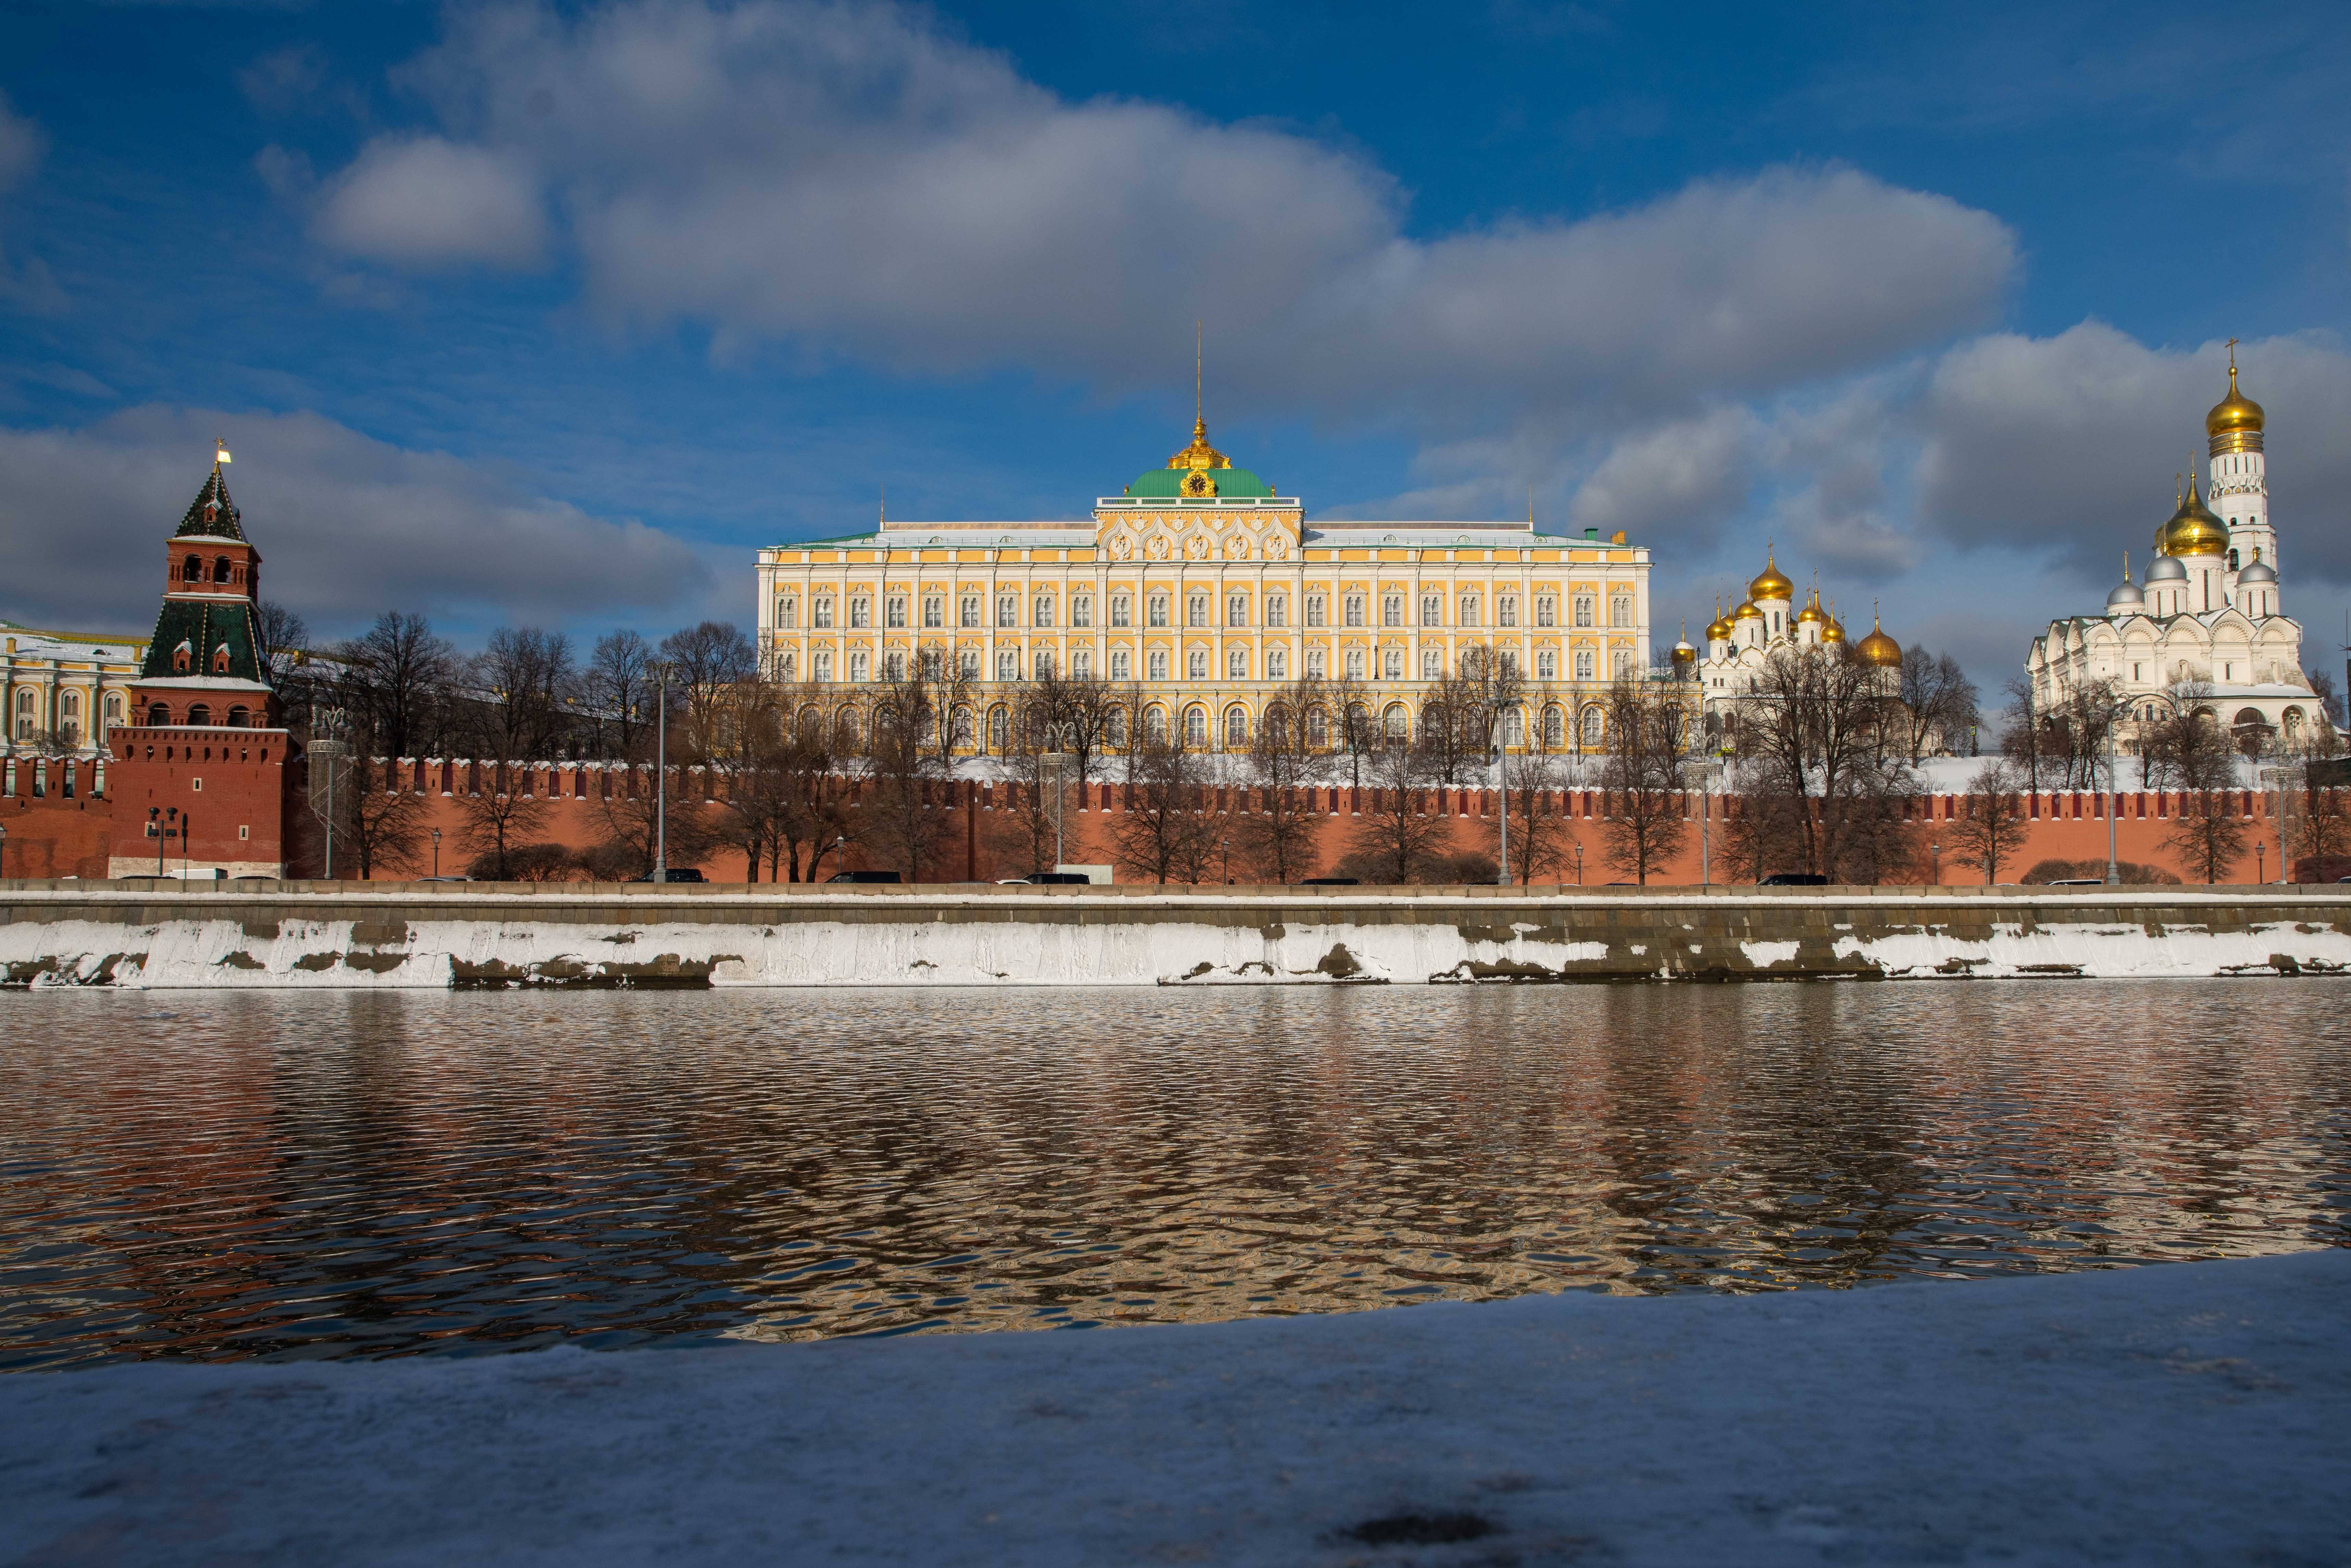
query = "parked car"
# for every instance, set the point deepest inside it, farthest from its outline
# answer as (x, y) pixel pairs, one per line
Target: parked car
(1058, 878)
(675, 873)
(2076, 882)
(862, 877)
(1330, 881)
(1794, 879)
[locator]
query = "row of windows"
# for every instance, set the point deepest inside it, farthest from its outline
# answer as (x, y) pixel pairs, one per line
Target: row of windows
(858, 666)
(36, 779)
(1193, 722)
(1199, 610)
(192, 571)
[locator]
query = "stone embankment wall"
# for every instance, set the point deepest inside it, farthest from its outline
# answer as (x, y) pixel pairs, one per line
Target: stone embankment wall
(372, 935)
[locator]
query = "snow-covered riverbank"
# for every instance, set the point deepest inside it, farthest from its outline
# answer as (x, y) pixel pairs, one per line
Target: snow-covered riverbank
(2187, 1412)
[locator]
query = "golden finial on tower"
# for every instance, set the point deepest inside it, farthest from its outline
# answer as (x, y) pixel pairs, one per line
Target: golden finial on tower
(220, 453)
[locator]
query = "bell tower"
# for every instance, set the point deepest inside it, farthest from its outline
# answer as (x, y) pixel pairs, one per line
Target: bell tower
(201, 766)
(2239, 488)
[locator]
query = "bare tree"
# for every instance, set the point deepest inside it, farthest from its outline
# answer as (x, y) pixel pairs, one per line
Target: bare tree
(629, 820)
(396, 682)
(495, 820)
(1164, 833)
(1395, 842)
(1642, 773)
(2022, 740)
(1355, 729)
(900, 825)
(381, 828)
(711, 659)
(1276, 840)
(1938, 701)
(1813, 763)
(1996, 827)
(2321, 834)
(286, 640)
(618, 688)
(1541, 838)
(529, 675)
(2190, 753)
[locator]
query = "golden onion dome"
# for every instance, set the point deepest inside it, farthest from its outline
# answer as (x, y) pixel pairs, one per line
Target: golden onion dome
(1833, 631)
(2193, 530)
(1772, 585)
(1811, 615)
(1718, 630)
(1747, 611)
(1877, 648)
(2234, 419)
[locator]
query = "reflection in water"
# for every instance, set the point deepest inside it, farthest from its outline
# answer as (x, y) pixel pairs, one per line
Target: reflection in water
(222, 1176)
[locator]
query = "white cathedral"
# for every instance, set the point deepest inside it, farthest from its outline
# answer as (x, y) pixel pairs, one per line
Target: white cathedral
(2205, 625)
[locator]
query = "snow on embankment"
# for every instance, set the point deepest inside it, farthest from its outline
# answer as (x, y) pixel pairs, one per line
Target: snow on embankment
(2181, 1413)
(387, 937)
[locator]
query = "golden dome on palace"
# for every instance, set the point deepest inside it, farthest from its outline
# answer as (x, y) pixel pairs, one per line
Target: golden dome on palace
(2235, 423)
(1811, 615)
(1771, 585)
(1718, 629)
(1877, 648)
(2192, 529)
(1833, 631)
(1747, 611)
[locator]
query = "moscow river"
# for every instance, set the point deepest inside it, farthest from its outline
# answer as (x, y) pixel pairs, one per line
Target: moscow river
(213, 1176)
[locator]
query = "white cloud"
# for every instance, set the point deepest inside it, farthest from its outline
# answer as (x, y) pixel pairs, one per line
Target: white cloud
(349, 527)
(427, 201)
(1682, 480)
(849, 176)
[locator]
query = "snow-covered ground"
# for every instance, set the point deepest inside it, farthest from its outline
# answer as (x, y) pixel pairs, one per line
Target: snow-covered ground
(2188, 1413)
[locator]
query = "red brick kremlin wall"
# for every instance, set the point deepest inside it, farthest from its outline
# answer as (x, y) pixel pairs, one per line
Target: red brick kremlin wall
(54, 836)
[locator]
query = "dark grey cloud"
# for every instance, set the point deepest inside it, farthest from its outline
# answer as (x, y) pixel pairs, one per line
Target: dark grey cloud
(2070, 445)
(348, 526)
(849, 177)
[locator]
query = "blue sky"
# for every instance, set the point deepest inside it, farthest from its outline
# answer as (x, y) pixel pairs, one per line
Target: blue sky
(551, 314)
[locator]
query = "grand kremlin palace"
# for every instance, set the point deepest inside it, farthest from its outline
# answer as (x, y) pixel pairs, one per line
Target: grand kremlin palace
(1203, 586)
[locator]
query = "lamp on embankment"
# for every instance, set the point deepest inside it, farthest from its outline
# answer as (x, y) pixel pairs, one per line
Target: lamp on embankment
(436, 854)
(661, 670)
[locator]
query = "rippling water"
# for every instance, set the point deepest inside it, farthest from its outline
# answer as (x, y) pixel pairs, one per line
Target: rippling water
(218, 1176)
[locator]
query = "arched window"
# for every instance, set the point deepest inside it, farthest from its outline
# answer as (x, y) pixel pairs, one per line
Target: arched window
(1154, 725)
(1276, 725)
(220, 660)
(963, 728)
(182, 657)
(1318, 728)
(220, 569)
(159, 715)
(1157, 664)
(845, 726)
(1236, 664)
(200, 713)
(1197, 664)
(236, 717)
(1584, 663)
(1236, 728)
(1121, 663)
(1514, 729)
(69, 706)
(192, 569)
(1595, 727)
(1393, 664)
(999, 729)
(1398, 722)
(114, 708)
(1277, 665)
(1196, 726)
(1114, 726)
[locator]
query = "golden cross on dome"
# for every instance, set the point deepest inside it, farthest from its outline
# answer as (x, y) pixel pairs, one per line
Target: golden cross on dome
(2233, 353)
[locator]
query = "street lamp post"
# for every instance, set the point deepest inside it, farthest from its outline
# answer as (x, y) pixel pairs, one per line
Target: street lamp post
(1937, 851)
(2279, 777)
(1707, 774)
(4, 848)
(2114, 798)
(436, 854)
(1579, 866)
(661, 670)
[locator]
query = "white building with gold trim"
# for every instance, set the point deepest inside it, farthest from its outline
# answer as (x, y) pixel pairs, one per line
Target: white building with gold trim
(2206, 623)
(1210, 591)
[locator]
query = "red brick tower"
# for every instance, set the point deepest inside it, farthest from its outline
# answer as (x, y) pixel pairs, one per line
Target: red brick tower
(199, 776)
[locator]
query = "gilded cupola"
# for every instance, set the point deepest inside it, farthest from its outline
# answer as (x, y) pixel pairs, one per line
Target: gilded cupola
(2235, 423)
(1770, 584)
(1718, 630)
(1877, 648)
(2192, 530)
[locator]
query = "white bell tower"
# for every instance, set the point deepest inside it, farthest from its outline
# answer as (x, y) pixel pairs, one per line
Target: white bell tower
(2238, 489)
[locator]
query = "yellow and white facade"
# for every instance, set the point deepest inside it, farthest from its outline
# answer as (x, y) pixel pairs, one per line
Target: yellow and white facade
(1207, 592)
(60, 692)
